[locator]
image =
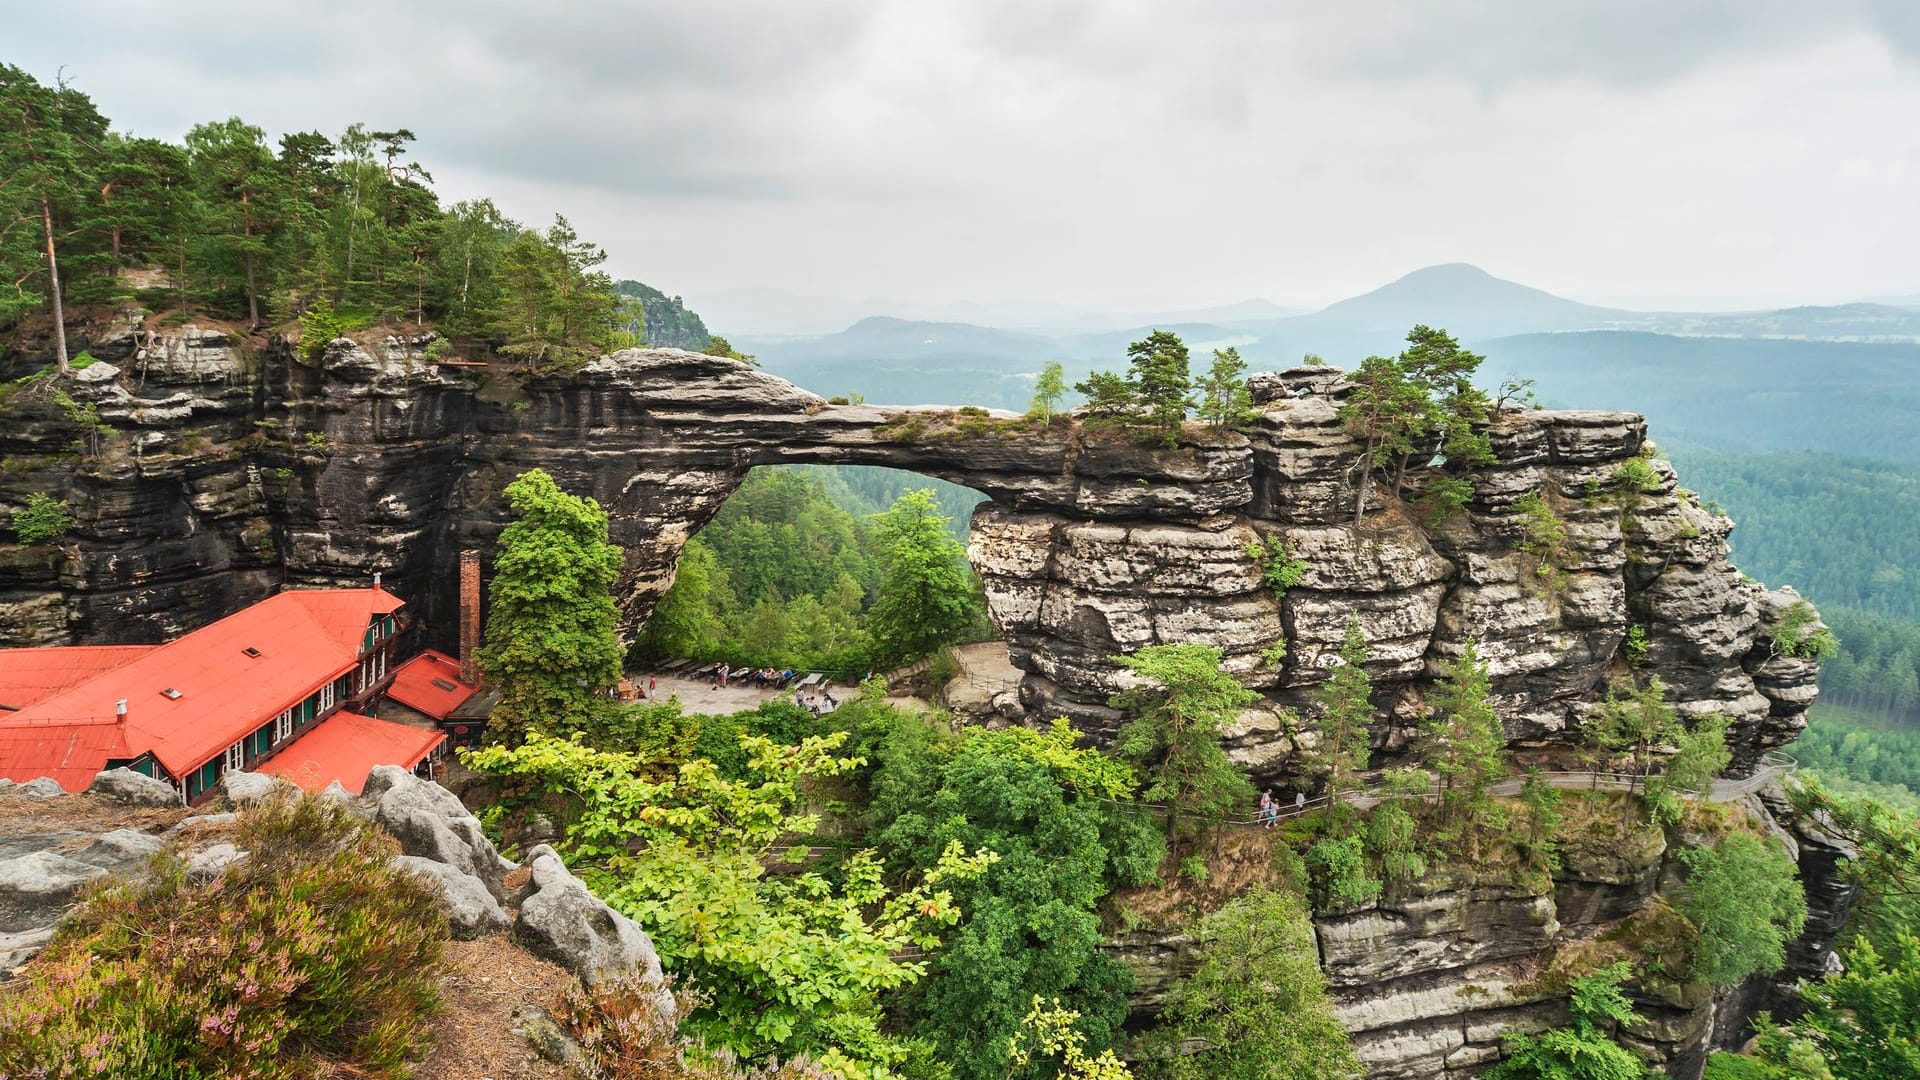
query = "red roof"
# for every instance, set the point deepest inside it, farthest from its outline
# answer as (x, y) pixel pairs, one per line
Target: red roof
(430, 684)
(31, 675)
(345, 747)
(195, 696)
(73, 754)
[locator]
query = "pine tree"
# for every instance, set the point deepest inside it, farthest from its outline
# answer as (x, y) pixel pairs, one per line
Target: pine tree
(50, 141)
(234, 172)
(1174, 736)
(1162, 384)
(1344, 723)
(1465, 745)
(1225, 401)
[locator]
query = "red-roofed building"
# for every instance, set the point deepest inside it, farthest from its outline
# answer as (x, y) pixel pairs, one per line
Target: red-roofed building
(430, 685)
(230, 695)
(347, 747)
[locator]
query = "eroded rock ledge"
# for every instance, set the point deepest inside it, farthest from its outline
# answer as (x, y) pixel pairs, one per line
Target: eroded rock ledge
(229, 474)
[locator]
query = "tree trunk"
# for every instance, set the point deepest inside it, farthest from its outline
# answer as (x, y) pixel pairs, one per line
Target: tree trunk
(53, 278)
(1360, 496)
(253, 291)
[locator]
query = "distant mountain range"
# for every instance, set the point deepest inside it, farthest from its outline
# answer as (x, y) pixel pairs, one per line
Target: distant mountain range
(1840, 379)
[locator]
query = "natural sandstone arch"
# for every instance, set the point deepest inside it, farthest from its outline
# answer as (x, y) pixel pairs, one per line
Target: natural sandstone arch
(1091, 545)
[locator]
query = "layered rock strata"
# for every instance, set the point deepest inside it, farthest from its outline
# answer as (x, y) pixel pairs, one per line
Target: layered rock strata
(224, 474)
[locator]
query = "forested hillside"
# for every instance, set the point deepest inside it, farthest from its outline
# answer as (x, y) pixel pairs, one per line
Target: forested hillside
(310, 236)
(799, 571)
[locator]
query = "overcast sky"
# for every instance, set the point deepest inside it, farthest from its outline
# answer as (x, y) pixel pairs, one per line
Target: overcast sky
(1132, 154)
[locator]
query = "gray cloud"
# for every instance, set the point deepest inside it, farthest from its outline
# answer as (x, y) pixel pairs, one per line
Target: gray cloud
(1123, 150)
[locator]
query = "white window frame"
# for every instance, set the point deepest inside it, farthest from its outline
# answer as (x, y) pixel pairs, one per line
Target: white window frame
(326, 699)
(283, 726)
(235, 757)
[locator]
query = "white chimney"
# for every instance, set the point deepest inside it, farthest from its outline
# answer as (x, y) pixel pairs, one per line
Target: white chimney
(376, 579)
(120, 707)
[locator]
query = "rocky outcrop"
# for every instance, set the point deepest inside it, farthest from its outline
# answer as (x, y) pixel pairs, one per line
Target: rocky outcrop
(1428, 981)
(47, 858)
(229, 470)
(567, 924)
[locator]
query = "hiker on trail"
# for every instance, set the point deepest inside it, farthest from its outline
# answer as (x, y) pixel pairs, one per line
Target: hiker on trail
(1268, 811)
(1299, 801)
(652, 685)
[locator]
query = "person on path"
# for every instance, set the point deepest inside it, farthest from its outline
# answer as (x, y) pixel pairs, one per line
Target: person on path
(1299, 801)
(652, 685)
(1267, 812)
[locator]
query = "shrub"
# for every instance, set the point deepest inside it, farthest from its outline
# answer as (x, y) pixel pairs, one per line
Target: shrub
(1745, 897)
(313, 956)
(1337, 874)
(1279, 570)
(319, 325)
(43, 520)
(1797, 636)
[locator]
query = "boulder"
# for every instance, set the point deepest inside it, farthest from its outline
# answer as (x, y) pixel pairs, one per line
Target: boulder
(120, 849)
(548, 1039)
(570, 926)
(133, 789)
(241, 788)
(21, 946)
(37, 888)
(212, 861)
(471, 910)
(432, 823)
(41, 787)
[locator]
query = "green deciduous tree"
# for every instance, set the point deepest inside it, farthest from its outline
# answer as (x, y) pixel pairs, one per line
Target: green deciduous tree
(1256, 1002)
(1174, 733)
(1042, 803)
(551, 645)
(1047, 392)
(927, 597)
(790, 964)
(1584, 1049)
(1224, 399)
(1744, 895)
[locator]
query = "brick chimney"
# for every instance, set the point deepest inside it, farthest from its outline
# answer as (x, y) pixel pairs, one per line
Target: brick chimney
(470, 617)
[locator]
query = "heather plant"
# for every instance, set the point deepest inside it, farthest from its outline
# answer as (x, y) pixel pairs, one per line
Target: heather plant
(315, 955)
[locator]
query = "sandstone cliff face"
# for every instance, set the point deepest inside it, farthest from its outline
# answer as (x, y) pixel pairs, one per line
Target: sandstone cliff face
(228, 472)
(1430, 979)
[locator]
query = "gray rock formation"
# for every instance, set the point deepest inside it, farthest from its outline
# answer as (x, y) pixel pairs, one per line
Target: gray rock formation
(132, 788)
(430, 822)
(568, 925)
(239, 788)
(37, 887)
(471, 910)
(231, 470)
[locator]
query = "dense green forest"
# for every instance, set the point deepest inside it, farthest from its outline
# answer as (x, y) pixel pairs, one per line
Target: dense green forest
(1841, 530)
(802, 568)
(1860, 753)
(312, 236)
